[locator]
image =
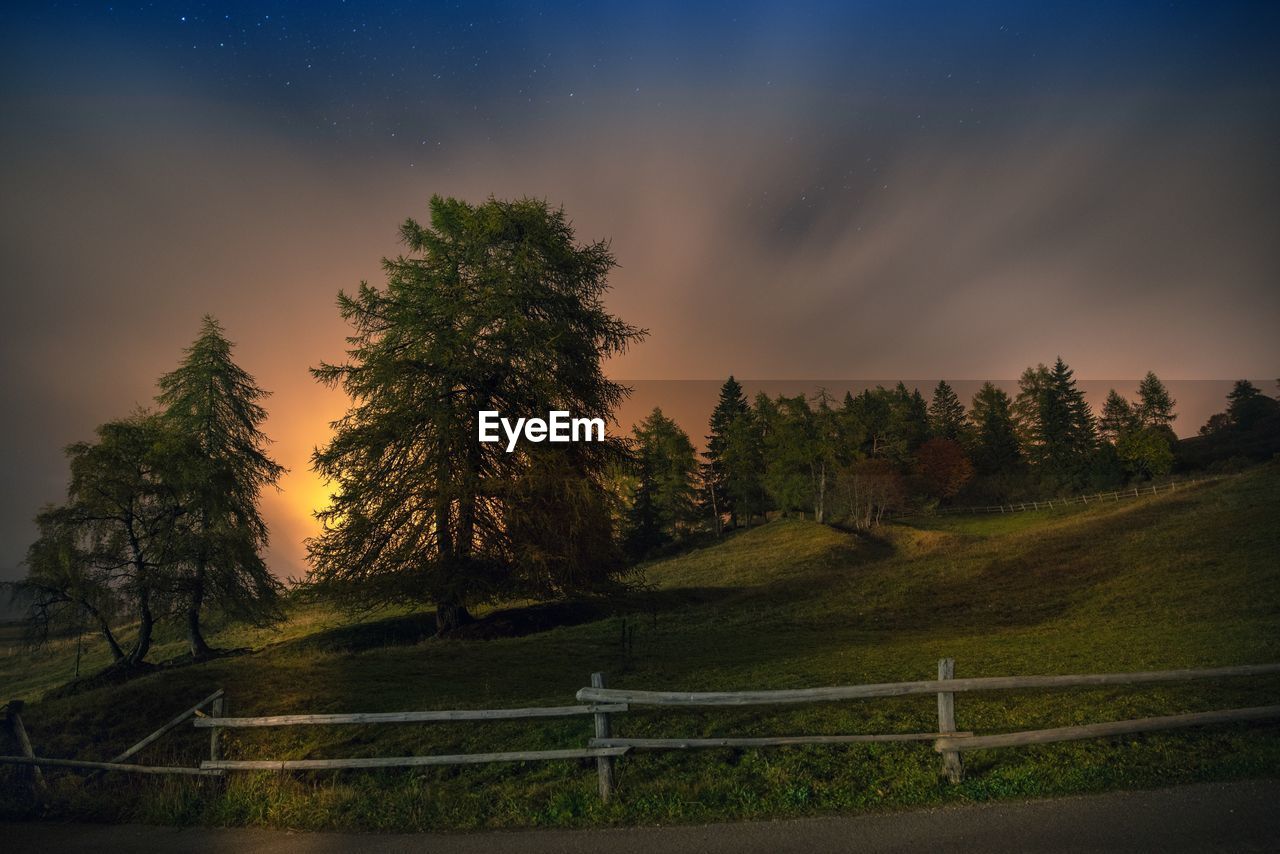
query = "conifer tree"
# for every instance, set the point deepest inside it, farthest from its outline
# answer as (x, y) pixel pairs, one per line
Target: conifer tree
(645, 532)
(667, 475)
(717, 472)
(870, 411)
(831, 450)
(743, 462)
(1245, 405)
(1118, 417)
(791, 452)
(1155, 406)
(908, 424)
(1061, 426)
(946, 413)
(214, 405)
(494, 307)
(995, 440)
(1026, 408)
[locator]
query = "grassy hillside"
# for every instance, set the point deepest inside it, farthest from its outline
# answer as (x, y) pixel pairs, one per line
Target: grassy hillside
(1186, 579)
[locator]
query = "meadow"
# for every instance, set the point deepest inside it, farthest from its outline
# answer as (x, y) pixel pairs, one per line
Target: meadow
(1186, 579)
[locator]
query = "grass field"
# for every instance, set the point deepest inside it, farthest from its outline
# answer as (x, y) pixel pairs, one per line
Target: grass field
(1177, 580)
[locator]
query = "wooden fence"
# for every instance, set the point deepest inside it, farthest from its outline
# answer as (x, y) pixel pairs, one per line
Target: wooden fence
(1092, 498)
(602, 704)
(946, 741)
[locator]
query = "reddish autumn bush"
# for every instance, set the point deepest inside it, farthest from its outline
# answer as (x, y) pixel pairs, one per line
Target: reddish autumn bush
(943, 468)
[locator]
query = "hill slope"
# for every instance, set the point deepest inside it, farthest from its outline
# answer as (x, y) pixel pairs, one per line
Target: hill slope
(1176, 580)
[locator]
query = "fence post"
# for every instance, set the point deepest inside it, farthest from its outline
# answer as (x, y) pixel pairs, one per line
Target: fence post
(24, 744)
(216, 710)
(604, 764)
(951, 766)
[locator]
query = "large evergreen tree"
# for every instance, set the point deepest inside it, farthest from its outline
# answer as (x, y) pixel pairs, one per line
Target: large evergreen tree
(215, 406)
(717, 471)
(790, 452)
(742, 461)
(946, 413)
(870, 411)
(1118, 417)
(1061, 425)
(665, 501)
(995, 441)
(908, 424)
(1155, 406)
(1246, 405)
(493, 308)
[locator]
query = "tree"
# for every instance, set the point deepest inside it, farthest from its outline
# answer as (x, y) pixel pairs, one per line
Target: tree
(716, 470)
(790, 452)
(1145, 452)
(870, 411)
(64, 587)
(1219, 422)
(214, 405)
(1248, 430)
(909, 419)
(868, 489)
(494, 308)
(561, 528)
(943, 467)
(887, 423)
(946, 413)
(1155, 406)
(668, 470)
(1246, 405)
(742, 463)
(1118, 417)
(123, 503)
(1059, 424)
(995, 440)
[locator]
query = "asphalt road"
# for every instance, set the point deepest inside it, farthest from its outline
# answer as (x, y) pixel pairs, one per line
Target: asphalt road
(1211, 817)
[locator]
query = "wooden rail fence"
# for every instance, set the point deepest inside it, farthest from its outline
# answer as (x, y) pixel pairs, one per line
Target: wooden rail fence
(1092, 498)
(601, 703)
(946, 741)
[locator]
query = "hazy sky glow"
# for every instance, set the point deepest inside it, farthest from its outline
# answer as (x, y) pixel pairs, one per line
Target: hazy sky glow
(842, 189)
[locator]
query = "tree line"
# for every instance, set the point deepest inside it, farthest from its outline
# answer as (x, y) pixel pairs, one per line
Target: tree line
(890, 449)
(496, 306)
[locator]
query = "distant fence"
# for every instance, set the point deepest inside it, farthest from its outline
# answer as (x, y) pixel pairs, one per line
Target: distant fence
(601, 704)
(1091, 498)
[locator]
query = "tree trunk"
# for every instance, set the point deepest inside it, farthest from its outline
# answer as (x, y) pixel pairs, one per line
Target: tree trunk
(820, 506)
(116, 652)
(451, 608)
(451, 615)
(195, 638)
(145, 619)
(104, 628)
(715, 512)
(145, 624)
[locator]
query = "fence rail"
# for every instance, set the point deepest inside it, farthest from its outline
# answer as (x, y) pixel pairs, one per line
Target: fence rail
(407, 717)
(410, 761)
(1090, 498)
(900, 689)
(602, 703)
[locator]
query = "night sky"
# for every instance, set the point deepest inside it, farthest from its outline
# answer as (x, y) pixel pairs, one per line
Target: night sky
(797, 190)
